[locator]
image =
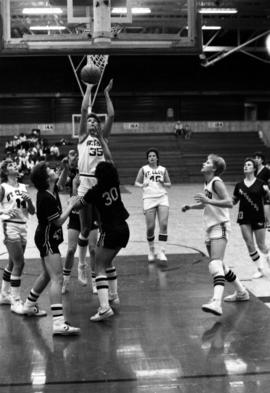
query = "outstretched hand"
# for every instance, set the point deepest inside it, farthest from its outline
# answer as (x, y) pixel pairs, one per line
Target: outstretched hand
(185, 208)
(108, 88)
(74, 201)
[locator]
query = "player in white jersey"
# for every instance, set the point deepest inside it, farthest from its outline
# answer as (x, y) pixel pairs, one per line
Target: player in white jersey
(15, 205)
(216, 203)
(154, 181)
(90, 154)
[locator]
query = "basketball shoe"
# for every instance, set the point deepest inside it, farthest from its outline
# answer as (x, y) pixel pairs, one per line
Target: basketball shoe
(64, 329)
(33, 310)
(162, 256)
(17, 306)
(213, 307)
(151, 256)
(237, 297)
(101, 315)
(5, 298)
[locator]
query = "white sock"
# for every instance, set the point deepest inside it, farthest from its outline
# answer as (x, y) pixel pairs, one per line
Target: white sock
(82, 247)
(103, 291)
(112, 280)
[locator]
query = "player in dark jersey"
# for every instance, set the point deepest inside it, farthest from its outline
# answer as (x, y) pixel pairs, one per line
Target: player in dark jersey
(106, 197)
(74, 227)
(263, 173)
(48, 236)
(251, 193)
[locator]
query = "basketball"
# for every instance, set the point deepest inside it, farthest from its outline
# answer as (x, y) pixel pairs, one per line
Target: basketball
(90, 74)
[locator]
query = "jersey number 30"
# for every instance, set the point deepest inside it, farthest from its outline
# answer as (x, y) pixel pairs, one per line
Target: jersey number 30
(110, 196)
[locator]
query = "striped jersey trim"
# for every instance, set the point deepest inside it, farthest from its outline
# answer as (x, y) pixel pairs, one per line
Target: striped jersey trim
(86, 175)
(54, 217)
(15, 221)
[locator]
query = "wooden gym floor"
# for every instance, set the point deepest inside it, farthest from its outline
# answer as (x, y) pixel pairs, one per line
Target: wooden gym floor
(160, 341)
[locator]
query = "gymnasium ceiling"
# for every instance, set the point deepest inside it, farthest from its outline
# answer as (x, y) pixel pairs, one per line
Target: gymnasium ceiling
(247, 29)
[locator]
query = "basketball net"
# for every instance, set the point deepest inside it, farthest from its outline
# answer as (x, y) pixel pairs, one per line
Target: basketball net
(99, 61)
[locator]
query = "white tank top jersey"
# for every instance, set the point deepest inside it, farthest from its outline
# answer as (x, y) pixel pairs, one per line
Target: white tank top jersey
(90, 154)
(155, 189)
(13, 200)
(214, 215)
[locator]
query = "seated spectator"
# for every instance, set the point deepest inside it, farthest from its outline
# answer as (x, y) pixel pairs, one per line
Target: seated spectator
(187, 132)
(178, 128)
(63, 142)
(54, 151)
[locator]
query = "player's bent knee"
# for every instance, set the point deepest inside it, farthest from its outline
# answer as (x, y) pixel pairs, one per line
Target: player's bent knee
(71, 251)
(216, 267)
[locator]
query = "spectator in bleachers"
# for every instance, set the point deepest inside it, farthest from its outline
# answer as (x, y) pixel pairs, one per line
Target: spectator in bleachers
(54, 151)
(187, 132)
(178, 128)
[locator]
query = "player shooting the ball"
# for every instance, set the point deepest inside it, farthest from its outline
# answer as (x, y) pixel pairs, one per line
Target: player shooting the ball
(90, 154)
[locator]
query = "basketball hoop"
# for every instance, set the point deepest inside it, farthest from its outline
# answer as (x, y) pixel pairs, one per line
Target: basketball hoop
(116, 29)
(99, 61)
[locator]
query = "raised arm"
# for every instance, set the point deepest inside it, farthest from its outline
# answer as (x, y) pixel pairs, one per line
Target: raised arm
(84, 113)
(60, 220)
(64, 174)
(106, 150)
(110, 111)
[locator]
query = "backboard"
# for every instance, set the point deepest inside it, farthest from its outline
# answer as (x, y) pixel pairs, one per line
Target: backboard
(71, 26)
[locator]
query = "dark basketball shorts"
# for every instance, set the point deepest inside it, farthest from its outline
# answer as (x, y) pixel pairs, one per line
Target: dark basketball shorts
(48, 245)
(255, 225)
(116, 238)
(74, 222)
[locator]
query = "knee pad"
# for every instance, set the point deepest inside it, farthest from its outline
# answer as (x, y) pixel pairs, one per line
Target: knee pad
(82, 242)
(216, 267)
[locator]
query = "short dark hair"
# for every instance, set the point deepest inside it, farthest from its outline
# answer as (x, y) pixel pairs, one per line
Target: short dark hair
(253, 162)
(259, 154)
(152, 150)
(107, 175)
(94, 116)
(40, 177)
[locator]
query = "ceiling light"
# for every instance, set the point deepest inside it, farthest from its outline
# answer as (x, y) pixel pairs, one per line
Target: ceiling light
(135, 11)
(42, 11)
(221, 11)
(40, 28)
(204, 27)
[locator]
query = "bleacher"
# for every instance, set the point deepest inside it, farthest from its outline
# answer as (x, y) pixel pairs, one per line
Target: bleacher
(129, 153)
(182, 158)
(234, 147)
